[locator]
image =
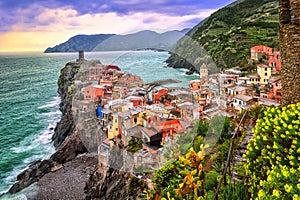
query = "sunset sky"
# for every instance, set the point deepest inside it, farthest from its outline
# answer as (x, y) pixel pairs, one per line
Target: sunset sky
(34, 25)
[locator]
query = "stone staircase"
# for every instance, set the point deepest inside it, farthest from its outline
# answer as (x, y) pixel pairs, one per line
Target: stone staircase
(238, 157)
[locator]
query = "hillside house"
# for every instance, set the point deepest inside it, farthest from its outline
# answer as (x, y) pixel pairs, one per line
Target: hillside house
(95, 73)
(236, 90)
(158, 94)
(243, 81)
(264, 72)
(242, 102)
(258, 51)
(93, 93)
(276, 87)
(254, 79)
(203, 71)
(274, 61)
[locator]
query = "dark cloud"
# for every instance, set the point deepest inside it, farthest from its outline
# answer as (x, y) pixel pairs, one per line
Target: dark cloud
(11, 10)
(172, 7)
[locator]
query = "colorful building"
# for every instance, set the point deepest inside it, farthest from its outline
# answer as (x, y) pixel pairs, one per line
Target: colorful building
(264, 72)
(157, 95)
(258, 51)
(93, 93)
(274, 61)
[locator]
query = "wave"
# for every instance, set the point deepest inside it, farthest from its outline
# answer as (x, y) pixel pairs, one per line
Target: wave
(51, 104)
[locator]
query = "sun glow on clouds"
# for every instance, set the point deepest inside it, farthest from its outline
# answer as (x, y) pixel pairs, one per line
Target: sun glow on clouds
(38, 28)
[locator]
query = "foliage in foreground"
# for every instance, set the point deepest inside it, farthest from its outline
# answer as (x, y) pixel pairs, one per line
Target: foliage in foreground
(190, 176)
(273, 157)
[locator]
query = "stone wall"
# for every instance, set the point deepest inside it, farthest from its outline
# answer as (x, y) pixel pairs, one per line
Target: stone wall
(289, 13)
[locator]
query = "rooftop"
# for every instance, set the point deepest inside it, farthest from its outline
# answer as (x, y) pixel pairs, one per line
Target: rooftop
(244, 98)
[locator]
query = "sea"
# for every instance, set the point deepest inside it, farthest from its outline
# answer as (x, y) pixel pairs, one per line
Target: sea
(29, 102)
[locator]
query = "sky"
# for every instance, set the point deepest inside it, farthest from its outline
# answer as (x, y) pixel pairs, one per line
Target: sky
(34, 25)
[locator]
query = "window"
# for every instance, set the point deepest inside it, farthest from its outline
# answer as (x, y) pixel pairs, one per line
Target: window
(266, 74)
(116, 120)
(266, 69)
(116, 129)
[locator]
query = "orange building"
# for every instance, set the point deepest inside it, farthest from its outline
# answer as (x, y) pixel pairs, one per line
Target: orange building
(156, 96)
(170, 128)
(93, 93)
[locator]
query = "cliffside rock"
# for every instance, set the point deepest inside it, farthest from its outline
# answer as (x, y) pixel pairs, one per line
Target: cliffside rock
(71, 147)
(66, 125)
(108, 183)
(31, 175)
(67, 149)
(69, 181)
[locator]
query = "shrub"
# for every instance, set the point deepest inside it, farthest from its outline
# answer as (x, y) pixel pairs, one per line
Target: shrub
(273, 157)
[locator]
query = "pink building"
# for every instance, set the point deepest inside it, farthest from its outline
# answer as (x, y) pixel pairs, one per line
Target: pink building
(258, 51)
(276, 87)
(95, 73)
(274, 61)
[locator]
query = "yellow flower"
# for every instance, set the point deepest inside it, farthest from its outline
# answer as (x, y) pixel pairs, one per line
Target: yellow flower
(296, 197)
(276, 193)
(261, 194)
(288, 188)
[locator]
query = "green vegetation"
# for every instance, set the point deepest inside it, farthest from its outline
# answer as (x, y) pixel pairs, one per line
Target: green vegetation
(196, 173)
(273, 156)
(134, 145)
(228, 34)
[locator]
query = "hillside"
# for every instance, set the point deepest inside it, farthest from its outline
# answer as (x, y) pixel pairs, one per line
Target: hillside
(110, 42)
(141, 40)
(228, 34)
(79, 42)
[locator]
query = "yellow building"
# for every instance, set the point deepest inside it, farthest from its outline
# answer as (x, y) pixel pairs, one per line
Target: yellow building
(264, 72)
(113, 129)
(254, 79)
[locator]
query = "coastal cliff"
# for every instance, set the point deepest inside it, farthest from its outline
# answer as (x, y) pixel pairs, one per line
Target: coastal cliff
(65, 139)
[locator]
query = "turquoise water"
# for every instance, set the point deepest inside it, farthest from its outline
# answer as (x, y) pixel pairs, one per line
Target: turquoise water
(29, 101)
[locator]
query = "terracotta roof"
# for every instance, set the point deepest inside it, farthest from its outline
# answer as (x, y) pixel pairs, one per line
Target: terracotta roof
(274, 79)
(149, 131)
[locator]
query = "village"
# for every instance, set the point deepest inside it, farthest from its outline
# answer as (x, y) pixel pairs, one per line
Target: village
(140, 117)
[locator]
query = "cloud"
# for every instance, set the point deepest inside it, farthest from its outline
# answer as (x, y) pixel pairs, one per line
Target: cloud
(16, 11)
(55, 21)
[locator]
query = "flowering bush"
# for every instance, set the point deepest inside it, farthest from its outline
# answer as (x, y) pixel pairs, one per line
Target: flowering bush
(273, 156)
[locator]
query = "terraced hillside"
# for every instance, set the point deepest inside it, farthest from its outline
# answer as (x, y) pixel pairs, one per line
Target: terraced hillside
(228, 34)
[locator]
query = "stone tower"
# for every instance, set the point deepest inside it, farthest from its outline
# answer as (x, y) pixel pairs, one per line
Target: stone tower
(81, 55)
(289, 36)
(203, 71)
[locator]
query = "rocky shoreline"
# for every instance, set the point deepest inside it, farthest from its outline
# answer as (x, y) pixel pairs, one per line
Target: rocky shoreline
(71, 172)
(65, 139)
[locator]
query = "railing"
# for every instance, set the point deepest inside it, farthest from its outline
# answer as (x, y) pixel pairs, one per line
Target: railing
(228, 158)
